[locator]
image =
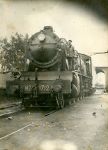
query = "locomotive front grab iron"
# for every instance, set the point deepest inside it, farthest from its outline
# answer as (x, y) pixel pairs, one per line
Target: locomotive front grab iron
(54, 70)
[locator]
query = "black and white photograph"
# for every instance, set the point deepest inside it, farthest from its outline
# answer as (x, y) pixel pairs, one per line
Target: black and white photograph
(53, 75)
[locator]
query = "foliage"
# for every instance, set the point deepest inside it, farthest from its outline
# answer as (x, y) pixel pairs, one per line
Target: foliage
(12, 52)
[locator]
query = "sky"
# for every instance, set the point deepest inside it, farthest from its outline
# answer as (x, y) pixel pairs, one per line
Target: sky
(88, 32)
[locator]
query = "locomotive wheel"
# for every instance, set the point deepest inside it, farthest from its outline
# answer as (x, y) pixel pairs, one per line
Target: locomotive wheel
(71, 101)
(60, 100)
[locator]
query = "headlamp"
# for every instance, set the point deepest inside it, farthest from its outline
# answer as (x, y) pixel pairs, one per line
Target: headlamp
(41, 37)
(57, 88)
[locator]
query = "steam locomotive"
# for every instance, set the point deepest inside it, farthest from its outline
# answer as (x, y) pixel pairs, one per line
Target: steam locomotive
(54, 71)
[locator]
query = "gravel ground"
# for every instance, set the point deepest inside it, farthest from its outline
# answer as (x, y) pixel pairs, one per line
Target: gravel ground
(82, 126)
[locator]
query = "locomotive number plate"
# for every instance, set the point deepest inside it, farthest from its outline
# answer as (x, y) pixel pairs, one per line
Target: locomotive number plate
(44, 88)
(28, 88)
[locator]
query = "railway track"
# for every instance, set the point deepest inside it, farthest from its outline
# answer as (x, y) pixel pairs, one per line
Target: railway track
(9, 106)
(28, 125)
(15, 108)
(20, 109)
(6, 114)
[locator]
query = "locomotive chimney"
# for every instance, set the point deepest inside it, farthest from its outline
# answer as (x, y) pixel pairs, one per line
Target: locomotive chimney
(48, 28)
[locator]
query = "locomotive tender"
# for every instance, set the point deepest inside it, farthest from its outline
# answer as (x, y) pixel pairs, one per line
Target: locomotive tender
(54, 71)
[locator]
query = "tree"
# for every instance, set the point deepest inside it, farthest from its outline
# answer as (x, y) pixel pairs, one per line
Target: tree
(12, 53)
